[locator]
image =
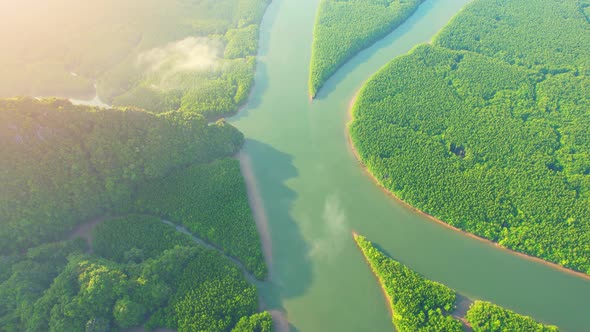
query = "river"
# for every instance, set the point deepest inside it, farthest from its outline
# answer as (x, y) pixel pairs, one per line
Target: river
(314, 193)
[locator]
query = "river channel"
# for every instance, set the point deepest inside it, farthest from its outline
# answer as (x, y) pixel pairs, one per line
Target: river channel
(313, 193)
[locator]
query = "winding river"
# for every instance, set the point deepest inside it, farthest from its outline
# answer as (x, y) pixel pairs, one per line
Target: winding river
(313, 193)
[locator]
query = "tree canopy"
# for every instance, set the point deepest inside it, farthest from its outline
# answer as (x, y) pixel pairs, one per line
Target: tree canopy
(419, 304)
(63, 164)
(344, 28)
(488, 317)
(486, 129)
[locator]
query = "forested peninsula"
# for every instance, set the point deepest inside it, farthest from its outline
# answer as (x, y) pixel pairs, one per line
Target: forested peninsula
(486, 129)
(419, 304)
(344, 28)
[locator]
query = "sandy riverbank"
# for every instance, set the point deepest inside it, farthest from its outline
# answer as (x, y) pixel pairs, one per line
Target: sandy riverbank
(355, 153)
(257, 206)
(279, 318)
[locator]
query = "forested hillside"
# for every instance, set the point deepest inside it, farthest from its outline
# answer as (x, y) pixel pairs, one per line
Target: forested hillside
(142, 272)
(344, 28)
(419, 304)
(157, 55)
(487, 129)
(210, 200)
(62, 164)
(169, 67)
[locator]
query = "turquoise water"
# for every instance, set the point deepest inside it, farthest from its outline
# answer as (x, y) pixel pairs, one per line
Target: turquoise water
(314, 193)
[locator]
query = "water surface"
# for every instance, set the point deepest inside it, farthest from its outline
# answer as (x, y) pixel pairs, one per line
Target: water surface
(314, 194)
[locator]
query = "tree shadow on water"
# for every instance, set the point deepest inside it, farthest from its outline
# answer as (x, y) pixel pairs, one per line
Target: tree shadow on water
(290, 271)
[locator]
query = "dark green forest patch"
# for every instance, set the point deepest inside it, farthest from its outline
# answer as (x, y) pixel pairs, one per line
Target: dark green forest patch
(142, 273)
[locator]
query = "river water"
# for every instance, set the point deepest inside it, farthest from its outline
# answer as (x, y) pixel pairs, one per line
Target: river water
(314, 193)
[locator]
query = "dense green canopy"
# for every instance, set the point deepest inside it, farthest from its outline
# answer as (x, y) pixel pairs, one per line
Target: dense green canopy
(62, 164)
(211, 201)
(261, 322)
(142, 271)
(419, 304)
(487, 129)
(174, 284)
(135, 238)
(344, 28)
(488, 317)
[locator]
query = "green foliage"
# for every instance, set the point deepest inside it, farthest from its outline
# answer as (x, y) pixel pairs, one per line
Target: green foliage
(209, 99)
(418, 304)
(201, 308)
(149, 98)
(488, 317)
(27, 277)
(344, 28)
(188, 288)
(97, 325)
(542, 36)
(128, 313)
(6, 263)
(104, 48)
(84, 294)
(261, 322)
(207, 292)
(175, 282)
(242, 42)
(62, 164)
(210, 200)
(135, 238)
(487, 129)
(216, 93)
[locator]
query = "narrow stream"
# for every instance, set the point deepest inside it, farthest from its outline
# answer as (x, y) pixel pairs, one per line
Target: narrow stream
(313, 193)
